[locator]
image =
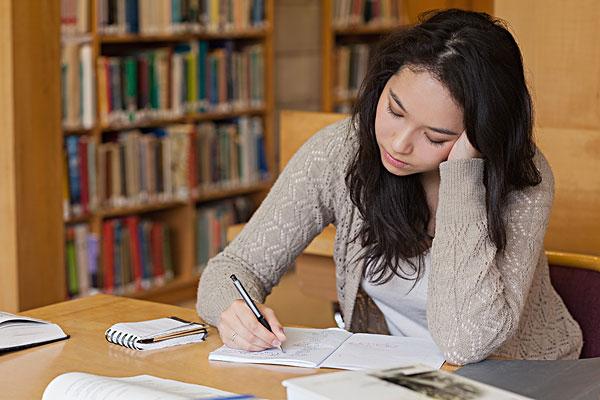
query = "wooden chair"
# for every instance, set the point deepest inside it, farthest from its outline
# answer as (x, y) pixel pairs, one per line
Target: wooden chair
(576, 278)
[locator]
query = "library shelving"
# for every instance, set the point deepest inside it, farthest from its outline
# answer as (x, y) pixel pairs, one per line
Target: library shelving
(350, 29)
(178, 102)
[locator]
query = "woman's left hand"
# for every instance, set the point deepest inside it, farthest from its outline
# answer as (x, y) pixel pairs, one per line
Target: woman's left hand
(463, 149)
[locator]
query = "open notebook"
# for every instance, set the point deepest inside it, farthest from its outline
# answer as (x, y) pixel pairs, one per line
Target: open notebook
(19, 332)
(337, 348)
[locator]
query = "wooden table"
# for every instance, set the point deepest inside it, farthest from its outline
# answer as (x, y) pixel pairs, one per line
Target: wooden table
(25, 374)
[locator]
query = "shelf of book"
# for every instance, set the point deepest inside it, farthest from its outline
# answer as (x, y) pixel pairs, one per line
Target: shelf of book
(160, 142)
(349, 29)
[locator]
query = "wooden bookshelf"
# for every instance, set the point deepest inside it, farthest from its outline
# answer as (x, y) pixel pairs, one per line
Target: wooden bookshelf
(180, 214)
(333, 36)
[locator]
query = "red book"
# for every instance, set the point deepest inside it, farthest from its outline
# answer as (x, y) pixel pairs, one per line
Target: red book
(83, 173)
(156, 248)
(136, 261)
(108, 256)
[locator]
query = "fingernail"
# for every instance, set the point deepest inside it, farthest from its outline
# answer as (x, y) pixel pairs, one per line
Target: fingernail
(276, 342)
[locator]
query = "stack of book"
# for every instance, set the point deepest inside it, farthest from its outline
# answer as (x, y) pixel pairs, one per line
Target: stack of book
(78, 95)
(80, 196)
(211, 226)
(151, 17)
(365, 12)
(168, 83)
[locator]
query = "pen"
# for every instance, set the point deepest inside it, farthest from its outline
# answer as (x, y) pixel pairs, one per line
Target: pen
(238, 285)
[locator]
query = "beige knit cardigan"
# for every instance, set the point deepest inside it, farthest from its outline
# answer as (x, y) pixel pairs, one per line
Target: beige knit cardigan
(479, 301)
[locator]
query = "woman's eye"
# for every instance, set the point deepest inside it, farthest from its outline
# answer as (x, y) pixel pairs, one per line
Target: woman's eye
(395, 115)
(435, 142)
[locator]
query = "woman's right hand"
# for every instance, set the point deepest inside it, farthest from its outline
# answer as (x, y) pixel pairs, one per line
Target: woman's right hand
(239, 328)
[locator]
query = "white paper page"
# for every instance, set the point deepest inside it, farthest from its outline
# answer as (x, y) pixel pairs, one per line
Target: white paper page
(303, 348)
(8, 317)
(369, 351)
(82, 386)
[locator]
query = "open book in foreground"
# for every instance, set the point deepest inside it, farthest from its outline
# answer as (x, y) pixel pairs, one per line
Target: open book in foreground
(82, 386)
(19, 332)
(412, 382)
(337, 348)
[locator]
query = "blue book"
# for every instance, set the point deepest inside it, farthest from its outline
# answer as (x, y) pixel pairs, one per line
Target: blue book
(202, 56)
(131, 16)
(93, 252)
(176, 17)
(214, 81)
(72, 143)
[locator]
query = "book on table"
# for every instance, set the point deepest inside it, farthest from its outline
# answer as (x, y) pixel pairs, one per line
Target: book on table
(83, 386)
(19, 332)
(416, 382)
(337, 348)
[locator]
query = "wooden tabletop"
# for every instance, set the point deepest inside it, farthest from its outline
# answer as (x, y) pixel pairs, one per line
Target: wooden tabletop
(25, 374)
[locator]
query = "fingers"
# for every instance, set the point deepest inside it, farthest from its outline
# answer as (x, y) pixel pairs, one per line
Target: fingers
(240, 329)
(274, 322)
(235, 341)
(256, 332)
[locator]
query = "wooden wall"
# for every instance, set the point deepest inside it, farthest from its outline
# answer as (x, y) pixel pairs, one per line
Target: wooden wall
(559, 41)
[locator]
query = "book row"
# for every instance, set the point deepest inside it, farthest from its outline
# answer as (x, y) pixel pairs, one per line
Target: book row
(134, 254)
(162, 164)
(365, 12)
(151, 17)
(160, 83)
(351, 62)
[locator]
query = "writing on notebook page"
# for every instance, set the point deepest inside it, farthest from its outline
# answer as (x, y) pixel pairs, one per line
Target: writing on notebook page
(336, 348)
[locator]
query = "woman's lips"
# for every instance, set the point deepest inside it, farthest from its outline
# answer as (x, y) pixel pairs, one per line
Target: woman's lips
(396, 163)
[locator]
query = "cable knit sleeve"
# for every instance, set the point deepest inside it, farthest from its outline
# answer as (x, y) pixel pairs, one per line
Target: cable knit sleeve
(297, 208)
(476, 294)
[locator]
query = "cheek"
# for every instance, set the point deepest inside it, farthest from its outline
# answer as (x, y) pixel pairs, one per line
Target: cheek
(435, 155)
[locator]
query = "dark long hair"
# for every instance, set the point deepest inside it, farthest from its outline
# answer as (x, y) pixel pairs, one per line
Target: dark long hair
(475, 57)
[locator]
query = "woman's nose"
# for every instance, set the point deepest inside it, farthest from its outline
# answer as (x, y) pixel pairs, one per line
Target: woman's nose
(402, 142)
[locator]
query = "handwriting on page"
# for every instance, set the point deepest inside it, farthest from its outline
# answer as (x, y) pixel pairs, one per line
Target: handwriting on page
(309, 345)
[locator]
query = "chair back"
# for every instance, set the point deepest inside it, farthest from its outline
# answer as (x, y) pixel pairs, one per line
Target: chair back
(296, 127)
(576, 278)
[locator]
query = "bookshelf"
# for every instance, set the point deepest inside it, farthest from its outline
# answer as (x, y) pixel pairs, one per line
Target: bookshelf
(179, 212)
(354, 27)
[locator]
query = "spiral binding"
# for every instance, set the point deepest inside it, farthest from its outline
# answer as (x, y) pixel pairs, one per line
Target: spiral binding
(122, 338)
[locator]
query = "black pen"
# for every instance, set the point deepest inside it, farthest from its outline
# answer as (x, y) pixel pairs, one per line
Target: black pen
(250, 303)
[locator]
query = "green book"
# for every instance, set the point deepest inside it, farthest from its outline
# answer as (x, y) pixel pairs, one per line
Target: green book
(201, 71)
(153, 80)
(131, 81)
(72, 281)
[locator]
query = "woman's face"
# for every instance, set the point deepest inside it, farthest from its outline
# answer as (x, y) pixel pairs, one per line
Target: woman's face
(417, 123)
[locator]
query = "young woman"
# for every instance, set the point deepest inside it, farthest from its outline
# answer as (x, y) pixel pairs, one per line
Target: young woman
(440, 201)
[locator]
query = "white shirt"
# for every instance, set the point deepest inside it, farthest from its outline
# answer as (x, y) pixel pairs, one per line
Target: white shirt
(404, 309)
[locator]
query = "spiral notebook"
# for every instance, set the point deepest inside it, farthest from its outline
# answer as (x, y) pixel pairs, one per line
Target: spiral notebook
(156, 333)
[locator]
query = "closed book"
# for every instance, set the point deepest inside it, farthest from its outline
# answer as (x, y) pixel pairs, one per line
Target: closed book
(81, 248)
(156, 245)
(72, 144)
(82, 151)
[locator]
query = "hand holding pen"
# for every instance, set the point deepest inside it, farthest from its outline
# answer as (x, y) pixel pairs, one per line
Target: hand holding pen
(249, 326)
